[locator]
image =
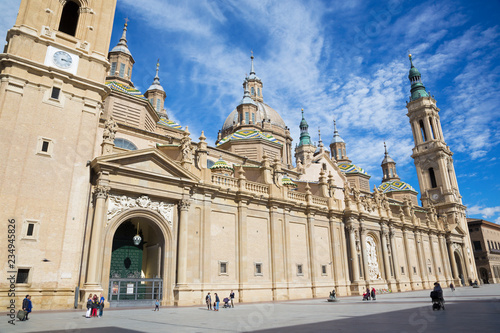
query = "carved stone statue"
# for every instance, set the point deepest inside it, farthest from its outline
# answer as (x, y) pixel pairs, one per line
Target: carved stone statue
(110, 128)
(186, 149)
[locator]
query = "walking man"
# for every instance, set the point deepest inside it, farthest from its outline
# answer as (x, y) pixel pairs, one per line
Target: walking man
(27, 306)
(208, 300)
(231, 296)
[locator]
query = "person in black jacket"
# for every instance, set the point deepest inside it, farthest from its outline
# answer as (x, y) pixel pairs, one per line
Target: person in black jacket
(89, 307)
(27, 306)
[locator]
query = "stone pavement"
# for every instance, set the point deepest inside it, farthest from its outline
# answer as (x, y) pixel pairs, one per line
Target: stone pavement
(467, 309)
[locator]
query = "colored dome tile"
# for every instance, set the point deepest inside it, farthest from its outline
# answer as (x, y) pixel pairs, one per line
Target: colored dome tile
(168, 122)
(286, 181)
(123, 88)
(351, 168)
(395, 185)
(221, 165)
(248, 135)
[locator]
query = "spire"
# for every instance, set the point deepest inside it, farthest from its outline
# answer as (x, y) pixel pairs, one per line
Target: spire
(336, 137)
(247, 99)
(320, 142)
(305, 138)
(388, 167)
(122, 44)
(251, 68)
(156, 81)
(417, 87)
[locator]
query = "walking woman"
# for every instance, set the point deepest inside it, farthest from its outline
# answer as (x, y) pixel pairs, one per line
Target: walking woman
(95, 305)
(89, 307)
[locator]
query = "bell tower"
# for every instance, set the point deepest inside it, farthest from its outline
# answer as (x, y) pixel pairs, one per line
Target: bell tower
(52, 89)
(433, 158)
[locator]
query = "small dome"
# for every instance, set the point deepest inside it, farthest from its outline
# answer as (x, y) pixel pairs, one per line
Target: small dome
(351, 168)
(121, 48)
(387, 159)
(394, 186)
(286, 181)
(413, 72)
(265, 112)
(221, 165)
(155, 86)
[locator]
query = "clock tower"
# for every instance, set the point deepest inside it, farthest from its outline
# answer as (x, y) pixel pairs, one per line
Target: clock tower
(52, 86)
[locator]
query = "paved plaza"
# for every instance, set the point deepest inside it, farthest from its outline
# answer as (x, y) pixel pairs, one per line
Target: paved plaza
(467, 310)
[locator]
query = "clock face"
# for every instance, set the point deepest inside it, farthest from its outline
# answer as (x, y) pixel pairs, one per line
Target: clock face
(62, 59)
(435, 196)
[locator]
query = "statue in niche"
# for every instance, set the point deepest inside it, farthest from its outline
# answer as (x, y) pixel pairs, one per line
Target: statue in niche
(371, 252)
(110, 128)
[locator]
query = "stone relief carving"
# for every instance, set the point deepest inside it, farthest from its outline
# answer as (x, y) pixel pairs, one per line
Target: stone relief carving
(110, 128)
(118, 204)
(371, 254)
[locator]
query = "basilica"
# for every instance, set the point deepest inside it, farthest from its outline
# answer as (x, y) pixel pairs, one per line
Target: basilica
(107, 195)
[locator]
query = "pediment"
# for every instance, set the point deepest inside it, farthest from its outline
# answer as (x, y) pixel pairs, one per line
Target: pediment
(149, 161)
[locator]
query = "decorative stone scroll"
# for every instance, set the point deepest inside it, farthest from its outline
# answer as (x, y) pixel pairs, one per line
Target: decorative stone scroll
(118, 204)
(371, 253)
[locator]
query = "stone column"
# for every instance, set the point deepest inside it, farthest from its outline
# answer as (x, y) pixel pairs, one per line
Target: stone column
(312, 257)
(385, 254)
(397, 269)
(408, 256)
(424, 274)
(362, 241)
(343, 255)
(445, 259)
(99, 222)
(451, 255)
(354, 253)
(430, 235)
(335, 253)
(468, 275)
(242, 249)
(182, 252)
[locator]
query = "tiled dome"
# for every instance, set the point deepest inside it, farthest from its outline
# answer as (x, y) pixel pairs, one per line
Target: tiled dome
(248, 135)
(395, 185)
(265, 112)
(351, 168)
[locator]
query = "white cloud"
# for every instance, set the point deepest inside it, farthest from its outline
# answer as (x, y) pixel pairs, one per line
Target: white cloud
(486, 212)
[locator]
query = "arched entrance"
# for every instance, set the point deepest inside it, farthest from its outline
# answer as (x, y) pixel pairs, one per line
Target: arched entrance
(137, 273)
(483, 273)
(461, 276)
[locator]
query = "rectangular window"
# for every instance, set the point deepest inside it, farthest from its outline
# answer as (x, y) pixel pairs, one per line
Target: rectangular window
(55, 93)
(414, 270)
(323, 269)
(299, 269)
(439, 270)
(247, 118)
(45, 146)
(128, 72)
(430, 270)
(402, 270)
(113, 69)
(477, 246)
(122, 70)
(258, 268)
(253, 118)
(22, 275)
(158, 104)
(222, 267)
(31, 228)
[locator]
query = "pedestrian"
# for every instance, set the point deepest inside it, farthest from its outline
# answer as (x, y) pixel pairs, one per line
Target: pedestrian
(373, 293)
(95, 305)
(231, 296)
(452, 287)
(208, 300)
(367, 293)
(157, 305)
(27, 306)
(101, 305)
(89, 307)
(217, 300)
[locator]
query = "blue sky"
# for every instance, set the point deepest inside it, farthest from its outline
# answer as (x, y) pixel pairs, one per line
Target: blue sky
(342, 59)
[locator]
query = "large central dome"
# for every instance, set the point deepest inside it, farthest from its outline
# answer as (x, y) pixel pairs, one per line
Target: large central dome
(265, 112)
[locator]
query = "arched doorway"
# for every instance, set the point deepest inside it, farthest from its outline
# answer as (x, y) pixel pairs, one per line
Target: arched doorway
(461, 276)
(136, 274)
(483, 273)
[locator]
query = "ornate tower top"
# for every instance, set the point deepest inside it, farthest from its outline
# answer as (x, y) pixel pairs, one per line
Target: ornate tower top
(156, 94)
(305, 138)
(388, 167)
(254, 83)
(121, 60)
(336, 137)
(122, 44)
(156, 81)
(338, 146)
(417, 87)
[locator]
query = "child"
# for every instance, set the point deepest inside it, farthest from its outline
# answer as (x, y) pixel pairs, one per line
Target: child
(157, 305)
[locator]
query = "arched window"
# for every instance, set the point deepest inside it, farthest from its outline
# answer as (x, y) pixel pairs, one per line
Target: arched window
(432, 177)
(125, 144)
(69, 18)
(340, 154)
(422, 131)
(432, 129)
(253, 91)
(258, 91)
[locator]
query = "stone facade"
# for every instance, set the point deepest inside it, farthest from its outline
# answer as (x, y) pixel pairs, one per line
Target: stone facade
(485, 238)
(87, 156)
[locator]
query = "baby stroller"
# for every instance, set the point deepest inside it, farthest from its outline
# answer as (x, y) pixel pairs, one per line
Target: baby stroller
(366, 296)
(226, 303)
(437, 300)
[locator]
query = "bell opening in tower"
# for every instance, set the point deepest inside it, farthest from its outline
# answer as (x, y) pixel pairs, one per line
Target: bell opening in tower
(69, 18)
